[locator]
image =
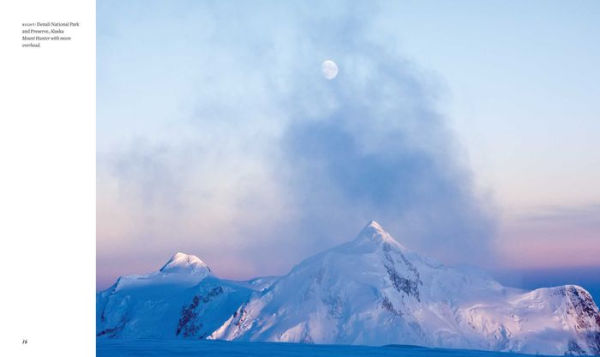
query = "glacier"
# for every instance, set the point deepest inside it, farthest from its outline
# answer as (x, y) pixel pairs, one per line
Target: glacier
(369, 291)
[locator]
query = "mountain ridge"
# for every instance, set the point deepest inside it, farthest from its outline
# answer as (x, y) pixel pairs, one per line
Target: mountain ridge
(370, 290)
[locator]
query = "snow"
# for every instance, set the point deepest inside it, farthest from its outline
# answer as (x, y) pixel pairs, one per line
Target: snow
(185, 263)
(251, 349)
(373, 232)
(369, 291)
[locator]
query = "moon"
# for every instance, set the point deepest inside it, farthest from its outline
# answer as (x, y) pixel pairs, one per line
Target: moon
(329, 69)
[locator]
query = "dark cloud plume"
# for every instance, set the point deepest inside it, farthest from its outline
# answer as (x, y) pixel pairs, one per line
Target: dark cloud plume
(384, 153)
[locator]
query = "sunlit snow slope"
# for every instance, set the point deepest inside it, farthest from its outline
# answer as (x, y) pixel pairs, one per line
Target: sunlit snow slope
(371, 291)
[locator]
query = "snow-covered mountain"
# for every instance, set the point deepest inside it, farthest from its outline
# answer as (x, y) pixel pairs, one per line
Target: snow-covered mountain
(371, 290)
(182, 299)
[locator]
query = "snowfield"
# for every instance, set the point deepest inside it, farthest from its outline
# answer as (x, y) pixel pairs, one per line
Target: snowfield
(369, 291)
(207, 348)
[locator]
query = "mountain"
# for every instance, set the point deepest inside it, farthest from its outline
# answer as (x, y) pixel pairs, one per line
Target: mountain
(371, 290)
(168, 303)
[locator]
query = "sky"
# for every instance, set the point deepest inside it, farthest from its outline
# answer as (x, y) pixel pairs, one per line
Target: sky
(467, 129)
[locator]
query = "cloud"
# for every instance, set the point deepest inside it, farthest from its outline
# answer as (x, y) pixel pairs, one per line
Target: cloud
(261, 161)
(584, 213)
(384, 153)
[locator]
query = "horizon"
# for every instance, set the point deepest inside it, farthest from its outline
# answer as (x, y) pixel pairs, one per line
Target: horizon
(472, 142)
(586, 276)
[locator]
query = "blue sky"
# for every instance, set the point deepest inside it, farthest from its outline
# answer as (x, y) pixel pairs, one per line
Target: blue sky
(468, 129)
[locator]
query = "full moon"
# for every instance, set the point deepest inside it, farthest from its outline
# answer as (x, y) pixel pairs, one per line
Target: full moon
(329, 69)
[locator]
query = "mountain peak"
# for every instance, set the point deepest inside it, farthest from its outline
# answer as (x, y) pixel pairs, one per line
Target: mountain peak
(374, 232)
(375, 225)
(181, 262)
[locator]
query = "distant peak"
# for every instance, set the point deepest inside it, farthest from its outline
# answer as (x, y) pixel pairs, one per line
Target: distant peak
(373, 231)
(185, 263)
(374, 225)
